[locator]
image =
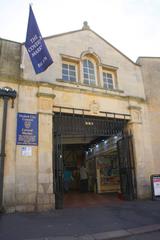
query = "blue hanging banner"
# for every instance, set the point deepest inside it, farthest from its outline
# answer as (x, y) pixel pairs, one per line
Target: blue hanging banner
(27, 129)
(36, 46)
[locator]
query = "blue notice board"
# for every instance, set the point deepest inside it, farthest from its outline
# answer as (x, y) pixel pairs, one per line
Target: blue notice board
(27, 129)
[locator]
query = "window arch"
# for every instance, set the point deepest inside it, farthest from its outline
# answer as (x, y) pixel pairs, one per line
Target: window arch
(89, 75)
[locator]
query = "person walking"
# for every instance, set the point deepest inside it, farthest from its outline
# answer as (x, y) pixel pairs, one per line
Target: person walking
(83, 179)
(67, 179)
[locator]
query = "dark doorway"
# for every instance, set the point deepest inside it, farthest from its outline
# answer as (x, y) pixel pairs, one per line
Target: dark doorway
(91, 140)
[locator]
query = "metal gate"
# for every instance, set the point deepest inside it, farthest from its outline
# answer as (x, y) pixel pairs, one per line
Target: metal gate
(84, 125)
(81, 125)
(127, 168)
(58, 171)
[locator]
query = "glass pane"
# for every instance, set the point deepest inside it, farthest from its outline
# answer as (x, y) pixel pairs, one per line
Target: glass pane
(65, 71)
(110, 86)
(109, 75)
(90, 64)
(104, 75)
(65, 77)
(105, 81)
(91, 71)
(86, 75)
(92, 77)
(72, 67)
(65, 66)
(72, 79)
(85, 63)
(110, 81)
(85, 70)
(72, 73)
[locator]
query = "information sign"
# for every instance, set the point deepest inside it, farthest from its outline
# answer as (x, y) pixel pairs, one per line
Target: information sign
(26, 151)
(27, 129)
(155, 184)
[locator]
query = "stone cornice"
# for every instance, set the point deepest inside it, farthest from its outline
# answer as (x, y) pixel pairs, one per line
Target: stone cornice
(85, 86)
(119, 94)
(138, 99)
(79, 88)
(114, 68)
(26, 82)
(68, 57)
(46, 95)
(44, 113)
(132, 107)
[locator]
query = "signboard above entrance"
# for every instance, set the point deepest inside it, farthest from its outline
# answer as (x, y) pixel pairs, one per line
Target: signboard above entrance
(27, 129)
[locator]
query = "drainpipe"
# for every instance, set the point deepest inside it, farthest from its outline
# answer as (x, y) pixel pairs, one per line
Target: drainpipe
(6, 93)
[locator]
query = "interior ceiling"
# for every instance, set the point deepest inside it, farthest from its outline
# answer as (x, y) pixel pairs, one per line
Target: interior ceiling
(71, 139)
(78, 139)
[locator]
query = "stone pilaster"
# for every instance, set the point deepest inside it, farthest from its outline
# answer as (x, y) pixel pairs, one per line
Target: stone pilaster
(25, 165)
(142, 149)
(45, 196)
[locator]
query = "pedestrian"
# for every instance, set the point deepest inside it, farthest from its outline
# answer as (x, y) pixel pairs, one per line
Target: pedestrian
(67, 179)
(83, 179)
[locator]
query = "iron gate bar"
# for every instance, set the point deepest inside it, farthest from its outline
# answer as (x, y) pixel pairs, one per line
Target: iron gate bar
(58, 172)
(131, 152)
(127, 168)
(75, 124)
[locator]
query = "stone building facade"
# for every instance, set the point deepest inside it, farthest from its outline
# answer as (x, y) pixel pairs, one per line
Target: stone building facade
(150, 67)
(119, 86)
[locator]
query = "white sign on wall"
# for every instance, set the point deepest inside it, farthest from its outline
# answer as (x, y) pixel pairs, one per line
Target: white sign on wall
(26, 151)
(156, 184)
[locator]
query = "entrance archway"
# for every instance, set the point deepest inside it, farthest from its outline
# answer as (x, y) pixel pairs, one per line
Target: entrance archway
(88, 131)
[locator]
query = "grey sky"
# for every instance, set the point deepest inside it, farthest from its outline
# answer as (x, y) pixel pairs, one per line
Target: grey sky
(132, 26)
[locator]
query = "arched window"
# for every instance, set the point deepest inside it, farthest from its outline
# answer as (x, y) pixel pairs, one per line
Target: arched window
(89, 72)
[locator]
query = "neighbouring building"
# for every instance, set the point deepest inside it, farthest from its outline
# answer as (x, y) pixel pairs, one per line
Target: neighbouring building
(92, 106)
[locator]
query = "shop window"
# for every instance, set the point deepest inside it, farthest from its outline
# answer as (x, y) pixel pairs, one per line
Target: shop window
(69, 72)
(108, 80)
(89, 72)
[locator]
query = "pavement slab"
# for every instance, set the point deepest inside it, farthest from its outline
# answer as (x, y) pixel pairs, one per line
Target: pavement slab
(93, 223)
(108, 235)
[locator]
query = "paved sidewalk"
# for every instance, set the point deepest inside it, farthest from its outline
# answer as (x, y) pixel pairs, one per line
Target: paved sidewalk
(145, 236)
(119, 234)
(114, 220)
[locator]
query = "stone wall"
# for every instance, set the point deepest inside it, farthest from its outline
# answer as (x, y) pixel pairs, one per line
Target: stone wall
(10, 54)
(75, 44)
(150, 67)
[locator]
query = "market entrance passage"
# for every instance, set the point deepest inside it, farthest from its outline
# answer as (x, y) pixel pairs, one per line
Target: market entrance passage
(91, 140)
